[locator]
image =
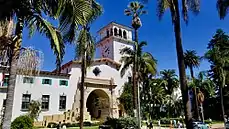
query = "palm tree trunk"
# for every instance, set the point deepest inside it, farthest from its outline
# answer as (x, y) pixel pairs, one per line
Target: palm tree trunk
(135, 81)
(134, 88)
(13, 70)
(195, 96)
(222, 104)
(83, 72)
(181, 66)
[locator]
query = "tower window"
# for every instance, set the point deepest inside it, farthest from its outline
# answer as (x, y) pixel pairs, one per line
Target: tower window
(120, 32)
(108, 34)
(115, 31)
(124, 34)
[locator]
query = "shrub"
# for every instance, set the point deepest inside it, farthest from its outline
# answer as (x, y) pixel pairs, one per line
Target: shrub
(87, 123)
(22, 122)
(121, 122)
(75, 125)
(52, 125)
(67, 124)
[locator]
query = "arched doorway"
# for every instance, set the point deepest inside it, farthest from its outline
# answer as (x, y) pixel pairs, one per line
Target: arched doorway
(98, 104)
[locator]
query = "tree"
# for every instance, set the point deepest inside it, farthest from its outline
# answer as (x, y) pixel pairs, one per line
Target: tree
(146, 62)
(217, 55)
(222, 6)
(170, 80)
(85, 51)
(192, 60)
(173, 6)
(126, 98)
(34, 109)
(155, 97)
(135, 10)
(29, 14)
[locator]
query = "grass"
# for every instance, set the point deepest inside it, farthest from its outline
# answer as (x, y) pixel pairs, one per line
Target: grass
(93, 127)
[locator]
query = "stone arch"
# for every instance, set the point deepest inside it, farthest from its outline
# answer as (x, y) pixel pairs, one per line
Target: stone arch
(115, 32)
(120, 32)
(98, 104)
(124, 34)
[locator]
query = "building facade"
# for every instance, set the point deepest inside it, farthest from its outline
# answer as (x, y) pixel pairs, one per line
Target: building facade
(59, 94)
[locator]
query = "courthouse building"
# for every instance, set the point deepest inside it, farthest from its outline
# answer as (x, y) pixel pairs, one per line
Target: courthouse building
(59, 93)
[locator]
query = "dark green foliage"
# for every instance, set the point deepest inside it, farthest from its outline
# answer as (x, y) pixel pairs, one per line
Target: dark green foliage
(22, 122)
(34, 109)
(87, 123)
(126, 98)
(52, 125)
(121, 123)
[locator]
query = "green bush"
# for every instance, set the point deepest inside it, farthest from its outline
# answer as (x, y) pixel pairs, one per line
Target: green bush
(52, 125)
(22, 122)
(121, 122)
(87, 123)
(75, 125)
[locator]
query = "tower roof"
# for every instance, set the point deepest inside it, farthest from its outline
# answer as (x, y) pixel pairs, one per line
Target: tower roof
(116, 24)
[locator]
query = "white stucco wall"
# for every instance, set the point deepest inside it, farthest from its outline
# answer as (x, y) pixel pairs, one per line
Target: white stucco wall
(37, 89)
(117, 47)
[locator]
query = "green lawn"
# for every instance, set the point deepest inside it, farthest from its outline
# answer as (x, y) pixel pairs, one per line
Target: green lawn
(93, 127)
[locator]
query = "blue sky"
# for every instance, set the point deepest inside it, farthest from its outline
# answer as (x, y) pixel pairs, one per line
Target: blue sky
(158, 34)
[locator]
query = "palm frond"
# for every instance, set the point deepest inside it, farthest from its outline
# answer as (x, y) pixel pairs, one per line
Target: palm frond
(222, 7)
(46, 28)
(127, 51)
(162, 5)
(127, 61)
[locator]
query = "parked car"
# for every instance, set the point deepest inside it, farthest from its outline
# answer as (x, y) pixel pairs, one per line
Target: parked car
(227, 125)
(200, 125)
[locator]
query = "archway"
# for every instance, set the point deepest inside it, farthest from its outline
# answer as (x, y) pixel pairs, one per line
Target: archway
(98, 104)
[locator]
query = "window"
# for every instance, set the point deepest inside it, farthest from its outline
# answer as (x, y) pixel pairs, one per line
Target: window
(6, 80)
(45, 102)
(28, 80)
(115, 31)
(62, 103)
(47, 81)
(63, 83)
(25, 101)
(120, 33)
(124, 34)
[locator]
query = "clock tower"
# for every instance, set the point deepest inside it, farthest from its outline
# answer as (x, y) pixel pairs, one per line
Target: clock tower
(113, 38)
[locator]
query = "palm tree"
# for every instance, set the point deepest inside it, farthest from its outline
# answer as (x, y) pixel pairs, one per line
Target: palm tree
(191, 61)
(173, 6)
(135, 10)
(146, 62)
(85, 51)
(218, 55)
(29, 14)
(170, 80)
(222, 6)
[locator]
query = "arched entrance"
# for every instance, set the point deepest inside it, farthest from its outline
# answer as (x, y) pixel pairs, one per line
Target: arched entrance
(98, 104)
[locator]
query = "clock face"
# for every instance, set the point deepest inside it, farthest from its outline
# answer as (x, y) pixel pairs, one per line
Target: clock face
(106, 51)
